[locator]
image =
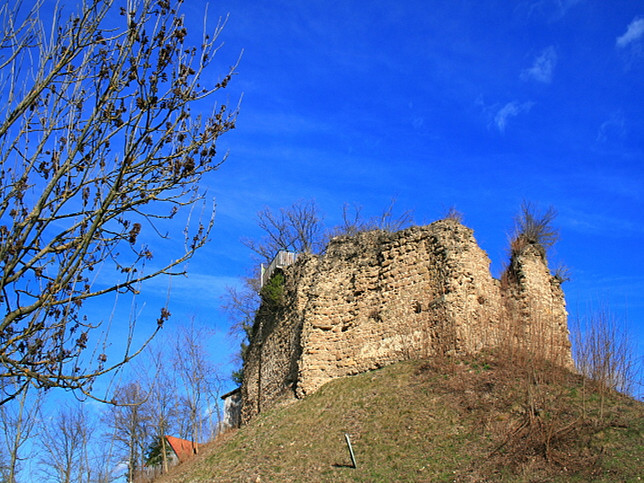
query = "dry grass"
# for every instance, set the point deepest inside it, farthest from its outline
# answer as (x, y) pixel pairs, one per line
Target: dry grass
(470, 419)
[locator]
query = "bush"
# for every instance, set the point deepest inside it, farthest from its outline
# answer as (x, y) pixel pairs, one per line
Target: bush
(534, 228)
(454, 214)
(273, 292)
(604, 352)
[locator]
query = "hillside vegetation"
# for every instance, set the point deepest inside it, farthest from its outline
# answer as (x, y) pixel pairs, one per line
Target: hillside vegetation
(484, 418)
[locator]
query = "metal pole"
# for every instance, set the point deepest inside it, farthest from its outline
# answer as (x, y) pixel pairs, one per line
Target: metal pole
(353, 458)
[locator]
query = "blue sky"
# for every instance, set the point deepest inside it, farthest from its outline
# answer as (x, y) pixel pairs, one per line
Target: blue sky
(473, 104)
(477, 105)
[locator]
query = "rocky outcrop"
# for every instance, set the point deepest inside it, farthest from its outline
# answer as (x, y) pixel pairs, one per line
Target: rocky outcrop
(379, 297)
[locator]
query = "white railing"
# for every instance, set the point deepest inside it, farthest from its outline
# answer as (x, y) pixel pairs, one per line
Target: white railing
(282, 260)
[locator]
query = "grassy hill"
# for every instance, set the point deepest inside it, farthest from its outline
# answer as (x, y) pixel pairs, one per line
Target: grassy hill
(469, 419)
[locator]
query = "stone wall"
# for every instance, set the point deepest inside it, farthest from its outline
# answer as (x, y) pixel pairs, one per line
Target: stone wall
(535, 308)
(379, 297)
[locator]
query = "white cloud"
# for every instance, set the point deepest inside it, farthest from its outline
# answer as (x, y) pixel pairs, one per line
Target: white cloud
(634, 31)
(193, 286)
(543, 67)
(511, 109)
(612, 129)
(552, 9)
(594, 223)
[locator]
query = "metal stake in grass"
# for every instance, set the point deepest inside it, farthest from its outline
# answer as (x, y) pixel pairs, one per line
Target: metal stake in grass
(353, 458)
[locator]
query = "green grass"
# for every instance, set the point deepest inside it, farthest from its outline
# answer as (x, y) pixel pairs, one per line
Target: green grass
(449, 420)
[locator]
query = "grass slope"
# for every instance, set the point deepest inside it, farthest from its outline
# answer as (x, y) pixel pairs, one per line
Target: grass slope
(471, 419)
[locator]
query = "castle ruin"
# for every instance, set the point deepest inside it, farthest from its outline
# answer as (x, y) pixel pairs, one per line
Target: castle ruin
(379, 297)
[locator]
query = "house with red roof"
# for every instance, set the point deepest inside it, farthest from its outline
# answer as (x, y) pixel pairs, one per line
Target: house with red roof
(177, 451)
(182, 448)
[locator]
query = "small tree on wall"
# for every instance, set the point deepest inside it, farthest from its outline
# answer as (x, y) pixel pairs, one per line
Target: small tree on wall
(534, 228)
(353, 221)
(99, 150)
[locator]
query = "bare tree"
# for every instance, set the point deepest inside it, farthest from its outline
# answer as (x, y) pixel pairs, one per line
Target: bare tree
(296, 228)
(453, 214)
(163, 401)
(99, 149)
(4, 464)
(353, 221)
(103, 466)
(65, 442)
(241, 305)
(532, 227)
(387, 221)
(198, 379)
(18, 424)
(129, 422)
(604, 352)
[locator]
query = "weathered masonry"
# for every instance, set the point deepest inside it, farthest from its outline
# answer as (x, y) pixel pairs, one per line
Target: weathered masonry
(380, 297)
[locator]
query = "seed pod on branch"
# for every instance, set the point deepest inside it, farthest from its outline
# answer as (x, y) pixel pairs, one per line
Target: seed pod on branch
(98, 113)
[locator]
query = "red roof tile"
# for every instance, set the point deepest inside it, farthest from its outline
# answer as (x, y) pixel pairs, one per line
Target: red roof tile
(183, 448)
